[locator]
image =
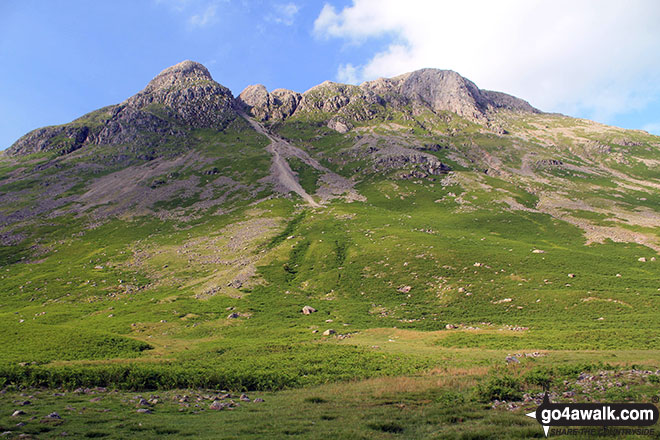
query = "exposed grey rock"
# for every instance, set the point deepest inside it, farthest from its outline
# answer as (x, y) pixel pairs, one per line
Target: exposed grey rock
(329, 332)
(256, 101)
(179, 97)
(308, 310)
(17, 413)
(339, 124)
(218, 405)
(144, 411)
(444, 90)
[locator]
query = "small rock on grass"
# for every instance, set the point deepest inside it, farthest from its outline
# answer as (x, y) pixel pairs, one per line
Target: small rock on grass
(144, 411)
(329, 332)
(308, 310)
(218, 405)
(17, 413)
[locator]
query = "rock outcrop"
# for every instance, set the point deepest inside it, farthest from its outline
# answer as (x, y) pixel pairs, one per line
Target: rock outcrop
(419, 91)
(178, 98)
(279, 104)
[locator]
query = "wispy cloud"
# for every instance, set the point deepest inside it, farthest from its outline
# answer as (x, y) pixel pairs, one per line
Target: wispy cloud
(347, 73)
(284, 14)
(205, 18)
(592, 57)
(196, 13)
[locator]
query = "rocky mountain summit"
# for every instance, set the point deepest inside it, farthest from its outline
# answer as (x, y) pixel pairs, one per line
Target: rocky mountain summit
(181, 96)
(423, 90)
(185, 95)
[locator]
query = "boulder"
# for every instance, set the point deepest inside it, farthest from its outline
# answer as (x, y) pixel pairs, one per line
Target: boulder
(308, 310)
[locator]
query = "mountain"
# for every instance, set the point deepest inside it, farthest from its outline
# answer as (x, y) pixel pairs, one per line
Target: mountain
(173, 239)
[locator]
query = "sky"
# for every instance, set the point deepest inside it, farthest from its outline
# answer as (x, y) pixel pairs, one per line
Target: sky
(597, 59)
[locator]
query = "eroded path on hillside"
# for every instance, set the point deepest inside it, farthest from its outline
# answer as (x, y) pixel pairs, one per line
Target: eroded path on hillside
(331, 184)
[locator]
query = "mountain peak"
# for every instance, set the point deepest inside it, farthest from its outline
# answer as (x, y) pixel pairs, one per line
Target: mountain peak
(179, 74)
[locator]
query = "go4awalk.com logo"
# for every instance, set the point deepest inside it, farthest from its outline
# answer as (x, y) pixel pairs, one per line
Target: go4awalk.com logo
(606, 415)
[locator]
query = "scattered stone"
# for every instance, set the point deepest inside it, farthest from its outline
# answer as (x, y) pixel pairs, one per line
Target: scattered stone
(25, 402)
(218, 405)
(143, 402)
(96, 399)
(461, 290)
(450, 326)
(329, 332)
(405, 289)
(233, 315)
(236, 284)
(571, 275)
(511, 359)
(308, 310)
(53, 415)
(258, 400)
(144, 411)
(641, 259)
(245, 398)
(17, 413)
(538, 251)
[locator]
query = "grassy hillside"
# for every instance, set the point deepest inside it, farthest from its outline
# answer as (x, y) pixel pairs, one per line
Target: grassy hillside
(188, 270)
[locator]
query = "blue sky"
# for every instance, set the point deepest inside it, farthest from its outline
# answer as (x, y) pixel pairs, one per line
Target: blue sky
(60, 59)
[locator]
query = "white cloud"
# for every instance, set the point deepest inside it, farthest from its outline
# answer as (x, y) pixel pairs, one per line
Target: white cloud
(284, 13)
(205, 18)
(592, 57)
(347, 73)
